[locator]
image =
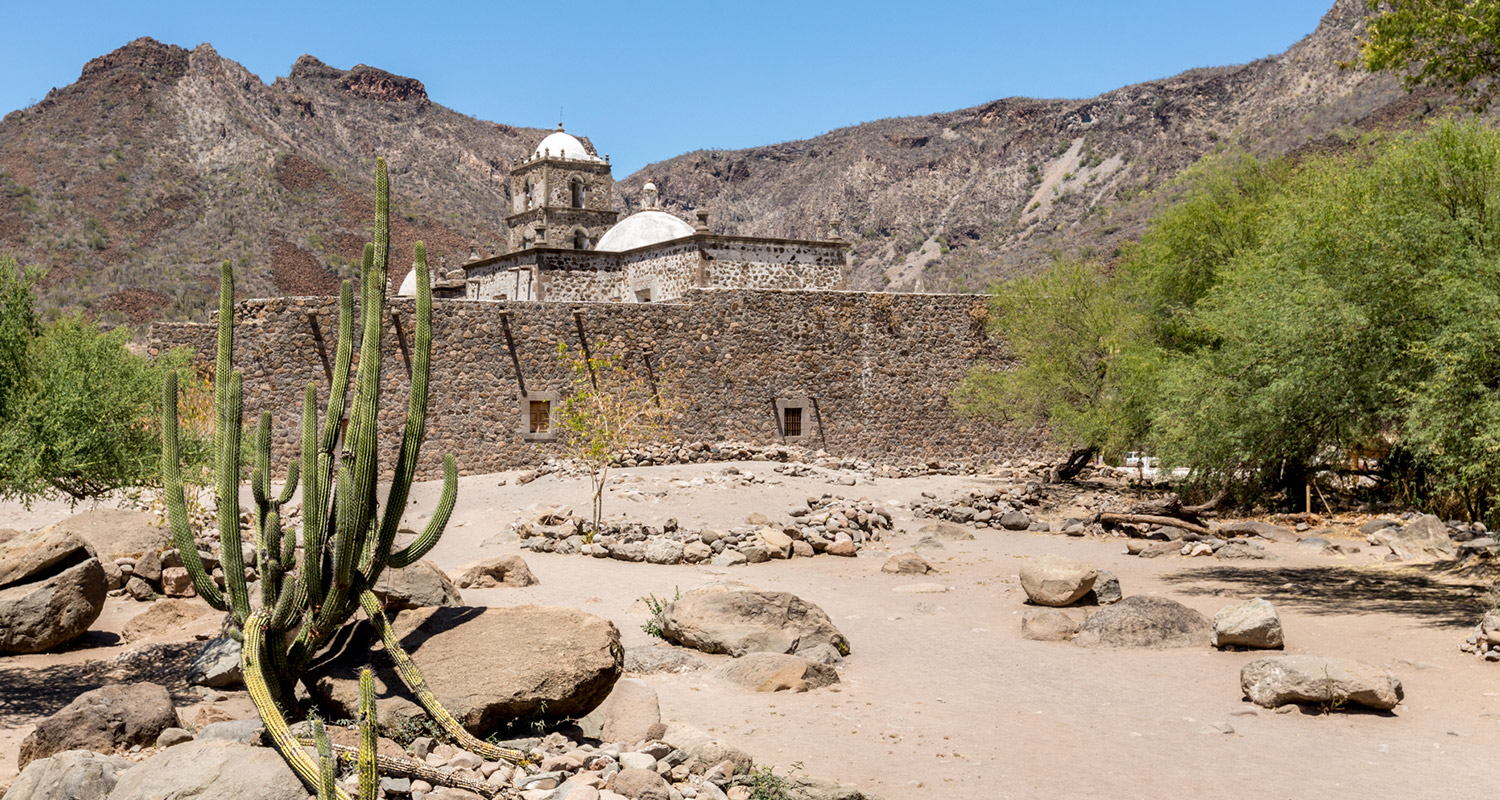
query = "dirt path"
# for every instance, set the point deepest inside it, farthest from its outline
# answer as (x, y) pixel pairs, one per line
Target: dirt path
(943, 698)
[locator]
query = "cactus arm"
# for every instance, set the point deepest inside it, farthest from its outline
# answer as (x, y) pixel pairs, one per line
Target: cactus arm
(253, 664)
(416, 416)
(260, 476)
(369, 779)
(345, 355)
(367, 396)
(345, 552)
(314, 530)
(292, 476)
(413, 552)
(171, 481)
(414, 681)
(225, 347)
(270, 560)
(328, 765)
(232, 556)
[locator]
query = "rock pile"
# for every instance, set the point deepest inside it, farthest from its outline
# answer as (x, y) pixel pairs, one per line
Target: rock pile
(1194, 546)
(701, 452)
(1011, 509)
(1485, 640)
(630, 754)
(828, 524)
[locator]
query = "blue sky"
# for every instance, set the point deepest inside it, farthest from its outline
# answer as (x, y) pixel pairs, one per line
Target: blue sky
(649, 81)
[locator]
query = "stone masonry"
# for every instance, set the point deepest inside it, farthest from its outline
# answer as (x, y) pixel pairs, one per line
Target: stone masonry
(873, 370)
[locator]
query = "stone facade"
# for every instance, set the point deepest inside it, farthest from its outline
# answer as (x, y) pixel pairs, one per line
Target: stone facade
(562, 197)
(872, 372)
(659, 272)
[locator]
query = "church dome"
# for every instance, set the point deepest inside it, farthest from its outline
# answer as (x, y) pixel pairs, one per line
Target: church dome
(408, 285)
(643, 228)
(563, 145)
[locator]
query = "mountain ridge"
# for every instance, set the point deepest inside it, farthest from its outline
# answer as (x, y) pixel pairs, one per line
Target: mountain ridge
(132, 183)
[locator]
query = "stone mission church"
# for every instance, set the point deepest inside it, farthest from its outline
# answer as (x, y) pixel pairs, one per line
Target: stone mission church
(566, 244)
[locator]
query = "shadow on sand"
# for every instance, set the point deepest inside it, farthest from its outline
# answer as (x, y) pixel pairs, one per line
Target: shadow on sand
(1411, 591)
(30, 692)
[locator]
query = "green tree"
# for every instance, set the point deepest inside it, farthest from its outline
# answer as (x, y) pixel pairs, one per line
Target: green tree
(83, 423)
(77, 408)
(1450, 44)
(1066, 328)
(609, 411)
(18, 327)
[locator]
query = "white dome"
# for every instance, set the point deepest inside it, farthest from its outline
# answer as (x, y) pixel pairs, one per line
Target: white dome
(563, 145)
(643, 228)
(408, 285)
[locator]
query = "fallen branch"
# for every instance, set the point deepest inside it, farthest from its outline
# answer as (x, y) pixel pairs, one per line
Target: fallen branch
(1212, 504)
(411, 768)
(1113, 518)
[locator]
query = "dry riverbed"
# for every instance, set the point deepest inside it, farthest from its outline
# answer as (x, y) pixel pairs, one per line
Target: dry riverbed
(941, 696)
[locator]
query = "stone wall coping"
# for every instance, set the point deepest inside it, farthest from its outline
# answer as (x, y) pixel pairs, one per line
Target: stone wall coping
(700, 239)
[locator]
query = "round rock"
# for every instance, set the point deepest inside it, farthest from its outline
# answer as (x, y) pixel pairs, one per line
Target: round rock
(1056, 581)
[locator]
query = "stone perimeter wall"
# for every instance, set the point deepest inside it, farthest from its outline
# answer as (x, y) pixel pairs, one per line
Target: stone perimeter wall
(879, 367)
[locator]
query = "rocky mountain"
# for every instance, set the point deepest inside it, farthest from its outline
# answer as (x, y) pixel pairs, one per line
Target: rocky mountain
(133, 183)
(959, 199)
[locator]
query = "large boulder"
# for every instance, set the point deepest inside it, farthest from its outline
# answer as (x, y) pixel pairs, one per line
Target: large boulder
(103, 720)
(44, 614)
(1253, 623)
(164, 616)
(776, 672)
(1144, 621)
(69, 775)
(1056, 581)
(630, 714)
(35, 556)
(218, 664)
(746, 621)
(421, 585)
(202, 770)
(118, 533)
(487, 666)
(498, 571)
(1422, 540)
(1328, 682)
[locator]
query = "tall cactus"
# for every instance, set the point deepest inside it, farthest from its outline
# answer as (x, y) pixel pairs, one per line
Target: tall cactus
(347, 535)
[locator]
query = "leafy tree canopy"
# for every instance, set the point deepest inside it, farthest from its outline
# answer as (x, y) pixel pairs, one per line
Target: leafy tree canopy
(1451, 44)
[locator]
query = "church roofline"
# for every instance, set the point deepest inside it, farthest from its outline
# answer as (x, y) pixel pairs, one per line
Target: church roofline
(697, 238)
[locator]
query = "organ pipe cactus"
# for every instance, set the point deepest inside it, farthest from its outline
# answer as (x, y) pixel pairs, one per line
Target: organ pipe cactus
(348, 536)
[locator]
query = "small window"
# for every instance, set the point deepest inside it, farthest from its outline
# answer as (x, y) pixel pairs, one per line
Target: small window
(578, 194)
(796, 419)
(580, 240)
(791, 422)
(530, 194)
(536, 416)
(643, 296)
(541, 416)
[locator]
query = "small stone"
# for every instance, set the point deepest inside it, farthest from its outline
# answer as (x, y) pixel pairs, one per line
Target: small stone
(172, 736)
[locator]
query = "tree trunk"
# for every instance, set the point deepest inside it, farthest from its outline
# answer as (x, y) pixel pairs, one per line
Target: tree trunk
(1075, 462)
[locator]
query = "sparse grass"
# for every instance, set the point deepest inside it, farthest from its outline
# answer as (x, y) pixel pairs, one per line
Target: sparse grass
(657, 605)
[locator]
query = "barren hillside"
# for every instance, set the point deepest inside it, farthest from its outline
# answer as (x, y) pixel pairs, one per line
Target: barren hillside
(958, 199)
(134, 182)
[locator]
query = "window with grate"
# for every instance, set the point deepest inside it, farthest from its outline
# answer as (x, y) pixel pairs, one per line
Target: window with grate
(791, 422)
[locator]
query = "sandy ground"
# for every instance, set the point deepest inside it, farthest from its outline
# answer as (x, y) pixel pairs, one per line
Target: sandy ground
(941, 696)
